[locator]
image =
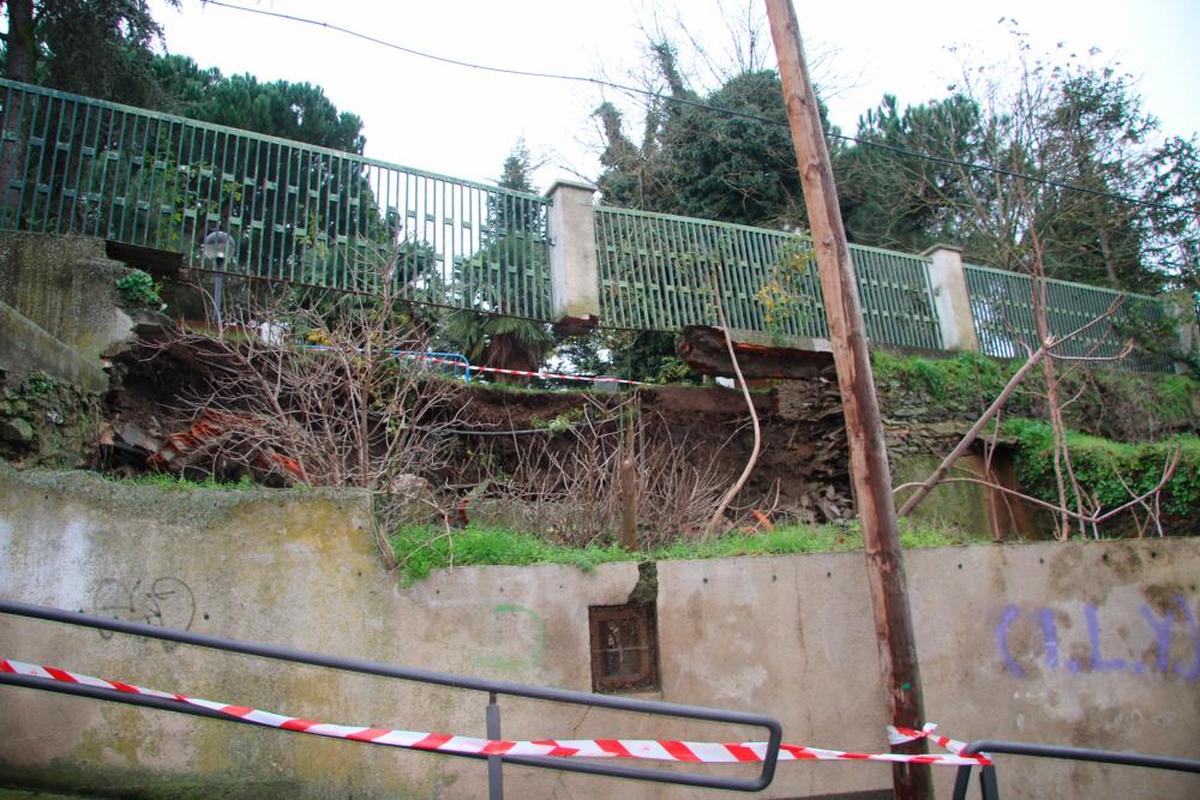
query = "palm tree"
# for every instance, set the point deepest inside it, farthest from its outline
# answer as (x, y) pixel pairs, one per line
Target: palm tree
(486, 337)
(497, 341)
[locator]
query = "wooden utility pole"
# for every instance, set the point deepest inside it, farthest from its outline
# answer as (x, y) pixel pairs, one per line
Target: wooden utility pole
(869, 474)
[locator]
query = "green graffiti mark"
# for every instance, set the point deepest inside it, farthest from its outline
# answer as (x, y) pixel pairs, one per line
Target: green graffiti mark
(532, 659)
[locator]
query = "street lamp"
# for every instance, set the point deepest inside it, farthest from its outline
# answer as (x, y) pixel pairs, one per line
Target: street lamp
(219, 246)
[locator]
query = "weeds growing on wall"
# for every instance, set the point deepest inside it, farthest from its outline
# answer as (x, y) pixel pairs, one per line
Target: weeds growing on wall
(137, 288)
(420, 550)
(1112, 472)
(1119, 405)
(167, 480)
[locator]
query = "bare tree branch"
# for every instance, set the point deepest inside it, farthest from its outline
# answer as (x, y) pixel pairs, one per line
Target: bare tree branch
(1091, 519)
(711, 529)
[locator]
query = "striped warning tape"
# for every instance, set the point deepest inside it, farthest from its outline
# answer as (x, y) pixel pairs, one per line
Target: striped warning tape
(461, 363)
(899, 735)
(644, 749)
(544, 375)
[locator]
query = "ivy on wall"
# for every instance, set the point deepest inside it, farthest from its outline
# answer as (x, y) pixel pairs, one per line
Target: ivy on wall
(1100, 466)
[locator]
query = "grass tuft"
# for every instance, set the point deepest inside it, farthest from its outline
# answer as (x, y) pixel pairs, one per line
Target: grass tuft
(421, 550)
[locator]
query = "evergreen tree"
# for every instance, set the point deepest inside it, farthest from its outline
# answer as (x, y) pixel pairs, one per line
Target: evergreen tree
(514, 236)
(101, 48)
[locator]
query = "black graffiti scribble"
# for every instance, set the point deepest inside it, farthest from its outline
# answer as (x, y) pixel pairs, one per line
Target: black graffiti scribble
(166, 602)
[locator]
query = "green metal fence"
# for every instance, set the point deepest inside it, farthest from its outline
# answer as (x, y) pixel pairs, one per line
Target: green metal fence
(327, 218)
(897, 298)
(1002, 310)
(658, 272)
(294, 212)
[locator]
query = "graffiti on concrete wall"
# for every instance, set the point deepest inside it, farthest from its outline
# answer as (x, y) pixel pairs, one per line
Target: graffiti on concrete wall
(520, 638)
(1168, 638)
(166, 602)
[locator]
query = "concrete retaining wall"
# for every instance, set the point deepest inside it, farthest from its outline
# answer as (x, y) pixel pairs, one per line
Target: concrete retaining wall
(1092, 645)
(59, 306)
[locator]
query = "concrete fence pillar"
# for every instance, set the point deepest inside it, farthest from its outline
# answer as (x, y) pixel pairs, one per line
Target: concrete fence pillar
(950, 297)
(574, 267)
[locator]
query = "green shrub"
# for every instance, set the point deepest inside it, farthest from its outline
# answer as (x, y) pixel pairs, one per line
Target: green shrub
(1100, 465)
(137, 288)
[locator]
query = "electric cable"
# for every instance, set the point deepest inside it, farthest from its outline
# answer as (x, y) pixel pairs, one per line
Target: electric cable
(684, 101)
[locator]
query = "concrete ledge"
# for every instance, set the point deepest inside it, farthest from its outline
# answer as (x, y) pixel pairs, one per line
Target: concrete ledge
(26, 346)
(65, 285)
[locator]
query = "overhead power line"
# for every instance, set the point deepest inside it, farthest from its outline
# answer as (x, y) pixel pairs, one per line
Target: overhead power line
(690, 103)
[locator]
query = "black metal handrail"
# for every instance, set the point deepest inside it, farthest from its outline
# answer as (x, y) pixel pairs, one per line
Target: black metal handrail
(492, 687)
(987, 775)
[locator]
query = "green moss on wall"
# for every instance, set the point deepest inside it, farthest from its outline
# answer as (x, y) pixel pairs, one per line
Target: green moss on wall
(1112, 473)
(46, 422)
(1123, 406)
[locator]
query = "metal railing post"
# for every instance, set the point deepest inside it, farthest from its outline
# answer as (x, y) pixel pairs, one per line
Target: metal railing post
(987, 775)
(494, 688)
(495, 764)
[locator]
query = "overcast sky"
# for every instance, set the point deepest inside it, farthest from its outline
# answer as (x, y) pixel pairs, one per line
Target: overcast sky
(462, 122)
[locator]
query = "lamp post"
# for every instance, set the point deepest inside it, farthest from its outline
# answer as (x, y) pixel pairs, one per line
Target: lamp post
(219, 246)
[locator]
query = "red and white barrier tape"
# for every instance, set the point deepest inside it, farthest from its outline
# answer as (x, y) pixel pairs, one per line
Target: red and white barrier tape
(901, 735)
(525, 373)
(469, 367)
(645, 749)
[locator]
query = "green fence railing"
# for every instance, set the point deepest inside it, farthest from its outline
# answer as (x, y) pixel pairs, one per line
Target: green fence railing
(1002, 310)
(657, 272)
(326, 218)
(291, 212)
(897, 298)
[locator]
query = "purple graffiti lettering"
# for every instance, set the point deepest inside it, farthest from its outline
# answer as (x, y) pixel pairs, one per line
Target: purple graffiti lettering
(1006, 620)
(1099, 663)
(1178, 619)
(1049, 637)
(1162, 635)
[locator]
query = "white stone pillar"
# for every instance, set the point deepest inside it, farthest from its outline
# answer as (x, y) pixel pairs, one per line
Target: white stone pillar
(574, 268)
(950, 297)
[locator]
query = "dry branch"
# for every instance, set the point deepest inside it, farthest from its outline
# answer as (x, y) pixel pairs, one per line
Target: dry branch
(1049, 343)
(1095, 518)
(711, 529)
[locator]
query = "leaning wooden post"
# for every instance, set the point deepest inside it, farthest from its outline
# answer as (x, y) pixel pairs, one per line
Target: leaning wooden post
(869, 472)
(629, 484)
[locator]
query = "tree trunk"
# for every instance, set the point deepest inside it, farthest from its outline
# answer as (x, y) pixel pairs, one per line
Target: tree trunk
(1110, 269)
(21, 65)
(22, 43)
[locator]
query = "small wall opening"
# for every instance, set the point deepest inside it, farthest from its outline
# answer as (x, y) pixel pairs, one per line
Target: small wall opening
(624, 647)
